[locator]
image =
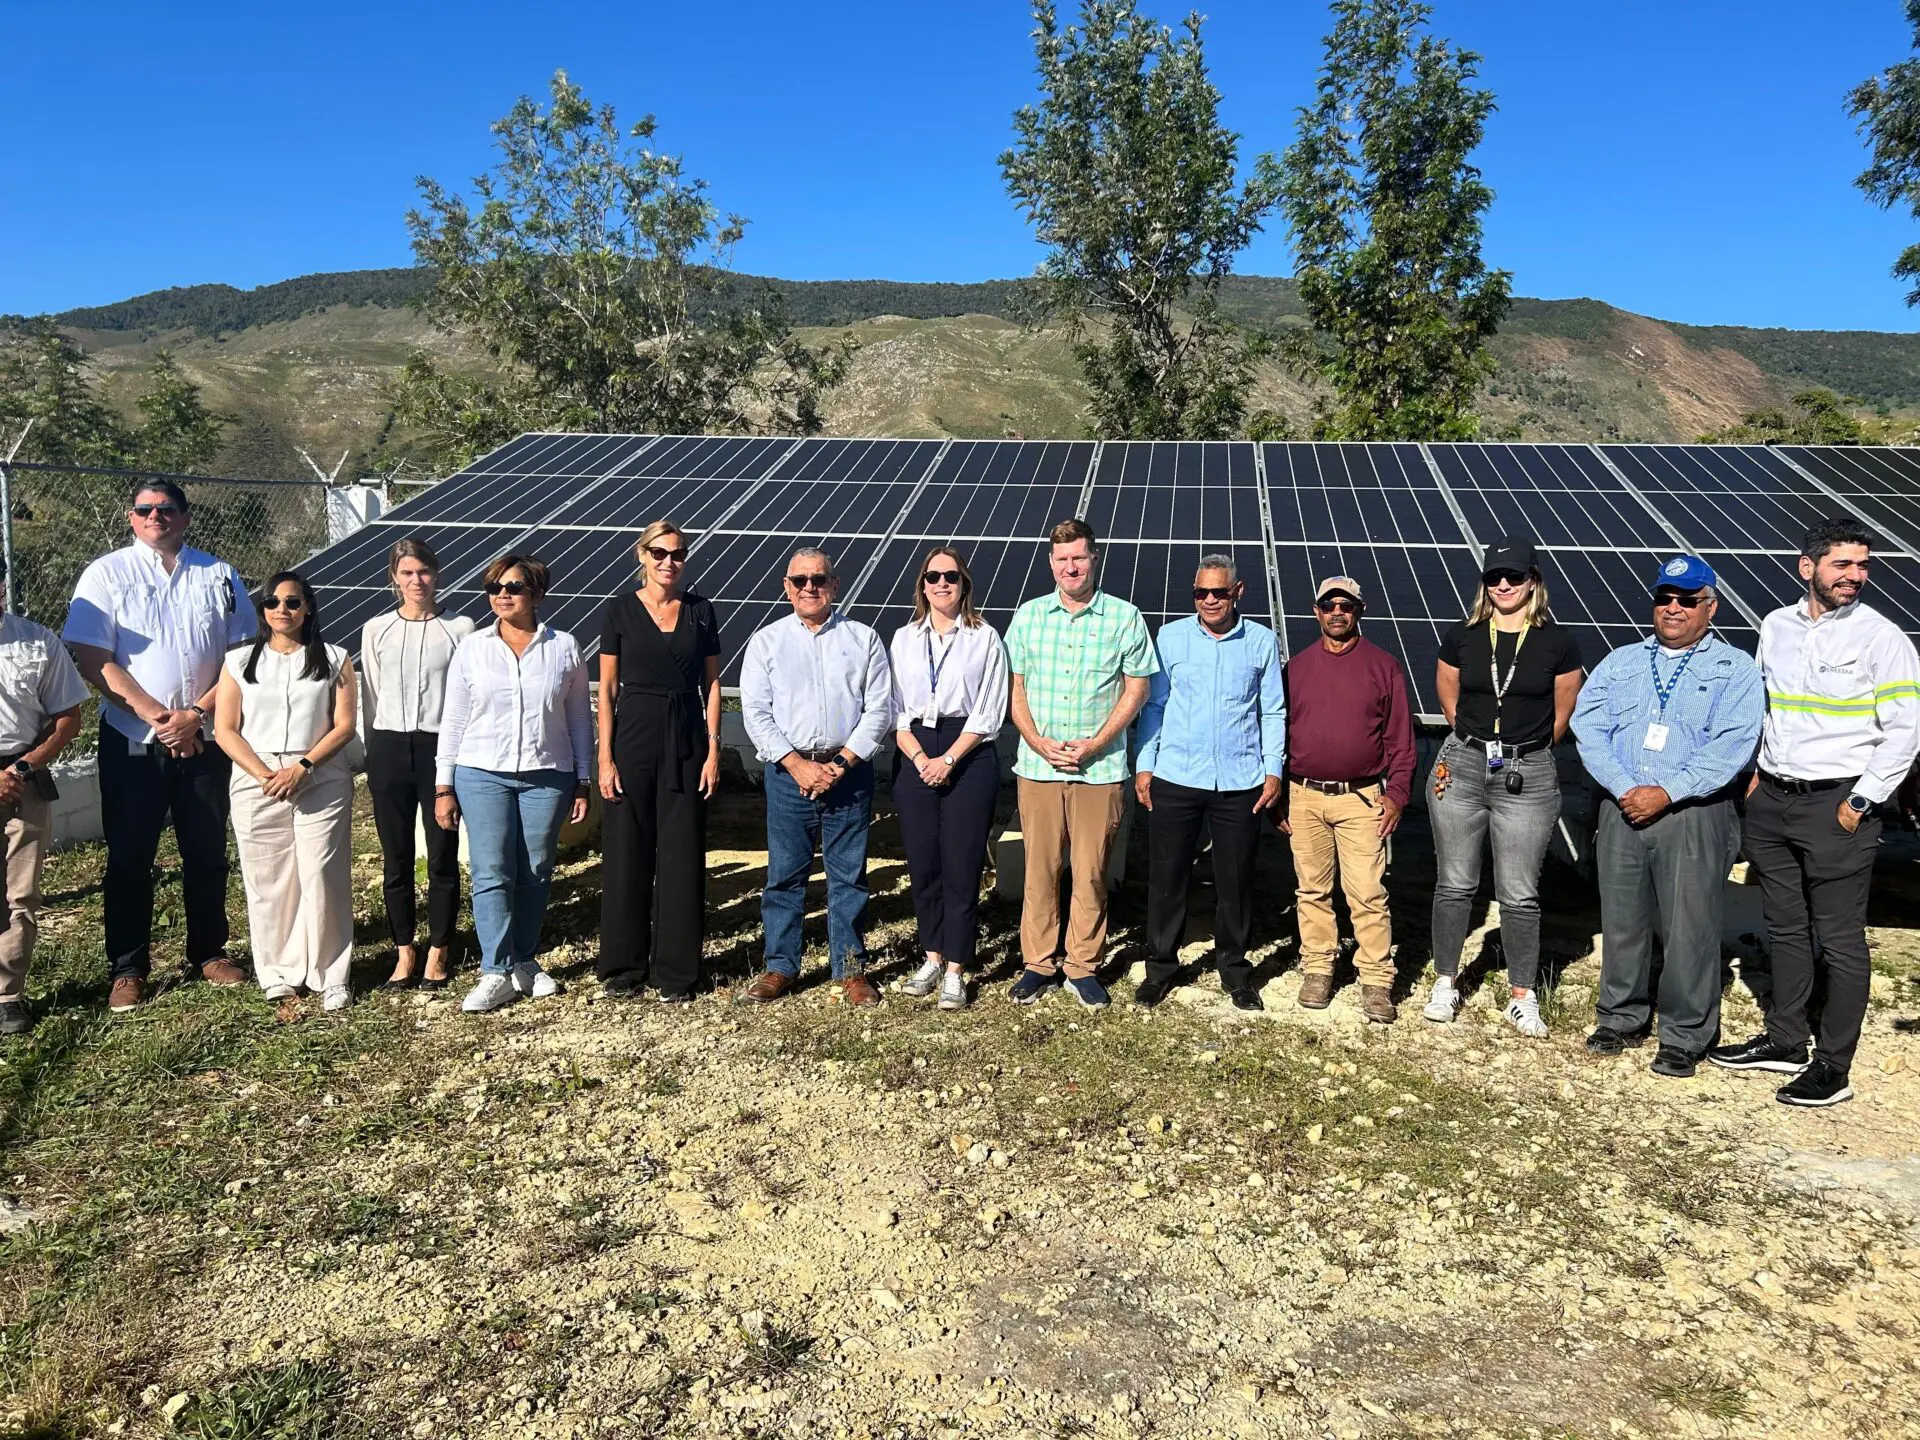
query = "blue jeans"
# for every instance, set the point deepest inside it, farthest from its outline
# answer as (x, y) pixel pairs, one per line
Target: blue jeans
(513, 832)
(1477, 804)
(837, 824)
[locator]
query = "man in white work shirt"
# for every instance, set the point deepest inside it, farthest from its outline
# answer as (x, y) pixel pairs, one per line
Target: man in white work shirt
(148, 626)
(40, 698)
(1842, 728)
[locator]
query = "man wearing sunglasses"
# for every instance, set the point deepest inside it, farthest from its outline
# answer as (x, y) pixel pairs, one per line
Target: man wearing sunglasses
(1213, 745)
(1666, 727)
(1349, 775)
(816, 694)
(149, 626)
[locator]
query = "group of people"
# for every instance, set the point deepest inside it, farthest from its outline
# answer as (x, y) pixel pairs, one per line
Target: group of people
(215, 713)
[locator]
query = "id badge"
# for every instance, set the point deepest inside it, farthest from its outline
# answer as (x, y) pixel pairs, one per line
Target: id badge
(1656, 738)
(930, 717)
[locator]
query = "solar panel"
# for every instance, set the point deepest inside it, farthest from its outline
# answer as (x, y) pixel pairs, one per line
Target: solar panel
(1882, 486)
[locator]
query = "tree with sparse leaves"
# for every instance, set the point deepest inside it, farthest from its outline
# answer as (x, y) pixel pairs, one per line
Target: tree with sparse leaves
(1887, 108)
(1819, 417)
(590, 270)
(1386, 208)
(1126, 171)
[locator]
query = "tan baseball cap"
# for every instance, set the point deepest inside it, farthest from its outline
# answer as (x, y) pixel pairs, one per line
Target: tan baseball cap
(1345, 584)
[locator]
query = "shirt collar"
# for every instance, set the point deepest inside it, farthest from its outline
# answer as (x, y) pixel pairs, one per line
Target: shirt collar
(833, 618)
(1239, 628)
(1834, 615)
(1094, 606)
(1652, 643)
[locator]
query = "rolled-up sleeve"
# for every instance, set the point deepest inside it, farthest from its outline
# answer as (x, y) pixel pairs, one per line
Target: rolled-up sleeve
(876, 711)
(989, 711)
(453, 718)
(756, 701)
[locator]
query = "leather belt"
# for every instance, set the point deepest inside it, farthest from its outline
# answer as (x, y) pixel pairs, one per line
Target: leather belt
(1334, 787)
(1806, 787)
(1500, 749)
(818, 757)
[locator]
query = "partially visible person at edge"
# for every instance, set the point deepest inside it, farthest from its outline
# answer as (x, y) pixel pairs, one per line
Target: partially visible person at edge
(1666, 727)
(1213, 746)
(659, 728)
(41, 693)
(148, 627)
(515, 760)
(1507, 680)
(284, 715)
(1082, 665)
(404, 656)
(1349, 777)
(816, 695)
(949, 702)
(1842, 729)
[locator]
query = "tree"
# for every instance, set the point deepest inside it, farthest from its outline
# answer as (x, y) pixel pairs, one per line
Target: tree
(44, 379)
(1129, 176)
(1887, 108)
(592, 277)
(177, 432)
(1385, 208)
(1822, 419)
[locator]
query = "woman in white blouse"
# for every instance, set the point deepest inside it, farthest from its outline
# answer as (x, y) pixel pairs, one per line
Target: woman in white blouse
(949, 701)
(404, 655)
(283, 714)
(515, 757)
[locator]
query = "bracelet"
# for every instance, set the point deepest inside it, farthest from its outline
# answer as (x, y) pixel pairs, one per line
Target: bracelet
(444, 792)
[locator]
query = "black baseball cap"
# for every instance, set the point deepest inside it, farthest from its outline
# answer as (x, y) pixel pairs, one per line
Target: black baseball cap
(1510, 552)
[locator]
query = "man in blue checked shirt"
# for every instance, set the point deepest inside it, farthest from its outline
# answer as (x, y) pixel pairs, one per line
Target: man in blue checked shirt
(1667, 727)
(1213, 746)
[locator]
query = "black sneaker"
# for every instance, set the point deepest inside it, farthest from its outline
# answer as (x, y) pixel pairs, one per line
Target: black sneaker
(676, 997)
(1762, 1052)
(1247, 998)
(1672, 1061)
(1030, 987)
(1818, 1084)
(623, 986)
(1605, 1040)
(15, 1017)
(1149, 993)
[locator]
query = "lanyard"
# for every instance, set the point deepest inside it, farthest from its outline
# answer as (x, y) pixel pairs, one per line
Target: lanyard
(935, 671)
(1500, 687)
(1665, 693)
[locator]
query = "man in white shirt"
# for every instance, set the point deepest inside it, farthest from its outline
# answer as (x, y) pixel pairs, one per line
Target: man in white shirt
(40, 698)
(148, 627)
(1842, 728)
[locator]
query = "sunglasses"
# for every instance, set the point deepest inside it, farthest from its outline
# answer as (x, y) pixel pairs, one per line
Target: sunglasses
(1512, 579)
(289, 603)
(661, 555)
(1337, 607)
(942, 577)
(1685, 602)
(1213, 592)
(506, 587)
(165, 512)
(809, 582)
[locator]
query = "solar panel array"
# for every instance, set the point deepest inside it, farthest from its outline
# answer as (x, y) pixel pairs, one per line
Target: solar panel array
(1408, 522)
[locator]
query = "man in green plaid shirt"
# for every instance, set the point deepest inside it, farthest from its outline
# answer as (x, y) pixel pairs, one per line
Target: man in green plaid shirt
(1081, 660)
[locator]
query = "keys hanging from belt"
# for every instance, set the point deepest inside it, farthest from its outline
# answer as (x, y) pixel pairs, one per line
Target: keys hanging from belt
(1442, 777)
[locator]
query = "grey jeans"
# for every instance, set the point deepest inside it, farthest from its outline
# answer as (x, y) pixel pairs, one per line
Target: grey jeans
(1474, 805)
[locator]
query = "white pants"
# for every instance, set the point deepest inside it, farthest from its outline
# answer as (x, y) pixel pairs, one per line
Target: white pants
(296, 859)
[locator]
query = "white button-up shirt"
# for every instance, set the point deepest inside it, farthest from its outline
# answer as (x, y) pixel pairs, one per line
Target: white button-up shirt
(1843, 698)
(515, 713)
(403, 669)
(804, 689)
(971, 665)
(168, 631)
(38, 680)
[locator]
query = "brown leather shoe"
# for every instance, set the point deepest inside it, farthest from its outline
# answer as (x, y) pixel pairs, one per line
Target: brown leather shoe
(769, 985)
(859, 991)
(1376, 1003)
(1316, 992)
(218, 971)
(129, 992)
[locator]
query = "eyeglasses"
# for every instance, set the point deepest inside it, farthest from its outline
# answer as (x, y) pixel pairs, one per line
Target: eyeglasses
(809, 582)
(1213, 592)
(1512, 579)
(506, 587)
(1685, 602)
(275, 602)
(165, 512)
(1337, 607)
(661, 555)
(942, 577)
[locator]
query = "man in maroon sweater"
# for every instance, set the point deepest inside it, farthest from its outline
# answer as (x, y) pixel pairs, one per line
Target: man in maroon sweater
(1349, 775)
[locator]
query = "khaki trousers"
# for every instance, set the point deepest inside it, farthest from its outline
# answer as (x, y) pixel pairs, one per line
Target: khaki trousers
(1341, 832)
(29, 827)
(296, 860)
(1065, 822)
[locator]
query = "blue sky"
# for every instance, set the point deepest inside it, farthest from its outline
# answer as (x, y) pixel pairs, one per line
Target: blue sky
(1688, 159)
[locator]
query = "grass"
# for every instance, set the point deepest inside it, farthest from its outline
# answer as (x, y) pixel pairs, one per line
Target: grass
(1703, 1392)
(301, 1401)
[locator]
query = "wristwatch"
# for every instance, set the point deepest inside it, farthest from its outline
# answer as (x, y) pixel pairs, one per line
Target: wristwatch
(948, 760)
(838, 761)
(22, 769)
(305, 763)
(1859, 804)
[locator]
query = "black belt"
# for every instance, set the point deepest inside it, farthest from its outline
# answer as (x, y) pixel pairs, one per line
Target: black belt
(1501, 748)
(1807, 787)
(677, 722)
(1334, 787)
(820, 757)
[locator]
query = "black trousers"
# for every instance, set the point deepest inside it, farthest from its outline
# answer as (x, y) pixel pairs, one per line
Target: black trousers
(945, 831)
(1814, 879)
(653, 842)
(1173, 844)
(400, 783)
(137, 794)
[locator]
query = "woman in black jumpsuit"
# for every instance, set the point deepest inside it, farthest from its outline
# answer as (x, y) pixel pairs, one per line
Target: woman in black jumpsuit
(659, 765)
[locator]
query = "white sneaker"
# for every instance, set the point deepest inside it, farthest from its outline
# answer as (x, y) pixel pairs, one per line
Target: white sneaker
(1444, 1003)
(953, 991)
(1523, 1013)
(493, 991)
(337, 997)
(533, 982)
(279, 992)
(924, 980)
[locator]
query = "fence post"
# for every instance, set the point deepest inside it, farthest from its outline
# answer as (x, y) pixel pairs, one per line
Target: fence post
(6, 536)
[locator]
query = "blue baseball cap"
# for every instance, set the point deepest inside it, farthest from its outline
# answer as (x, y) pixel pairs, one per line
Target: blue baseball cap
(1685, 573)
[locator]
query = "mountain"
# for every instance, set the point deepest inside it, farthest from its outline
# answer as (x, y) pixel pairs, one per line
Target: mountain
(302, 363)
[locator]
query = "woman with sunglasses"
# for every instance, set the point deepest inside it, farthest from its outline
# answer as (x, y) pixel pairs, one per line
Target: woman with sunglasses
(514, 759)
(949, 701)
(659, 765)
(1507, 681)
(405, 654)
(284, 715)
